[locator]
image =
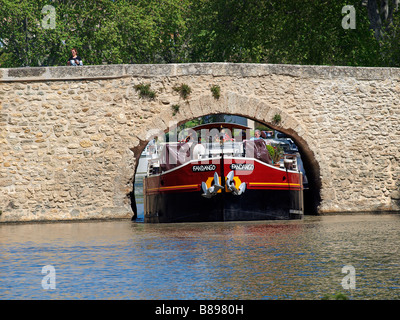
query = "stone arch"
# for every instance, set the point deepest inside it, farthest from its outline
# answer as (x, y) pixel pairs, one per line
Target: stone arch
(253, 108)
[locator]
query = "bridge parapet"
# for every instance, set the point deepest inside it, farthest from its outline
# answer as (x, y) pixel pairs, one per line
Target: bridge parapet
(196, 69)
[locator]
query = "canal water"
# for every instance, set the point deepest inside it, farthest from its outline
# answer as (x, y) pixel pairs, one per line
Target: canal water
(231, 260)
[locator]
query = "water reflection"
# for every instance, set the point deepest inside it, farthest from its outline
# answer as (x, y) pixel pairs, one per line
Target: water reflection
(233, 260)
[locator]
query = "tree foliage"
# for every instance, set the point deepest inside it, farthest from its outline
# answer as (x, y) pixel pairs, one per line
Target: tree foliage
(103, 31)
(168, 31)
(275, 31)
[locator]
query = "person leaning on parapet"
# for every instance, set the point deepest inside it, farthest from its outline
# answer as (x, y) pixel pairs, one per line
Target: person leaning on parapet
(74, 60)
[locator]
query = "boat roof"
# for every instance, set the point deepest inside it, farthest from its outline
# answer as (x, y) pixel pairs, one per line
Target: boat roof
(221, 125)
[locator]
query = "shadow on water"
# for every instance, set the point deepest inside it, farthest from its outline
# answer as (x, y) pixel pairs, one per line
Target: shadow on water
(137, 199)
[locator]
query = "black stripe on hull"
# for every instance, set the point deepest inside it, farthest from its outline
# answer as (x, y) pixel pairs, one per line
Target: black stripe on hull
(251, 205)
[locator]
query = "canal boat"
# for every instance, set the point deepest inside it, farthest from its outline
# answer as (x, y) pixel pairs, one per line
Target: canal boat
(218, 173)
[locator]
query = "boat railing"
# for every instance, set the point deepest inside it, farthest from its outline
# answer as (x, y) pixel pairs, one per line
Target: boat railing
(177, 154)
(228, 148)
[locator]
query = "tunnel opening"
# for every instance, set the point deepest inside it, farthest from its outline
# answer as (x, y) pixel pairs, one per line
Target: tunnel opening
(312, 198)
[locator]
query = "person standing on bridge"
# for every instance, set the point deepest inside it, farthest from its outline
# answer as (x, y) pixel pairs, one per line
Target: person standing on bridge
(74, 60)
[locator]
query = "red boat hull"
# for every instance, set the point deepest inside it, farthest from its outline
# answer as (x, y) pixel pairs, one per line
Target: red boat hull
(176, 195)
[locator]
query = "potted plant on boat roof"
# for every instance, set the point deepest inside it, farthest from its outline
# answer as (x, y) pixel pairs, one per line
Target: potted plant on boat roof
(277, 155)
(271, 150)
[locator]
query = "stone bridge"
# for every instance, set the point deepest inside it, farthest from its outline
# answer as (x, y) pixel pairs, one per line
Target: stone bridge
(70, 137)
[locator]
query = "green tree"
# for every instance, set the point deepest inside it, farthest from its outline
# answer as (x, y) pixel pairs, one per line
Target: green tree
(21, 35)
(381, 16)
(276, 31)
(167, 31)
(103, 31)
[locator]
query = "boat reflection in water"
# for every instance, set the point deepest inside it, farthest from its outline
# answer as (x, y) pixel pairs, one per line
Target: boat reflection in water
(218, 173)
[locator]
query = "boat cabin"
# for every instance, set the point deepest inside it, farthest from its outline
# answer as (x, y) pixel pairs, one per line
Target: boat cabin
(213, 140)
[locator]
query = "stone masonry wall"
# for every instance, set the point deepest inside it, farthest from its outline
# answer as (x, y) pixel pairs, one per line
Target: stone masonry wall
(70, 136)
